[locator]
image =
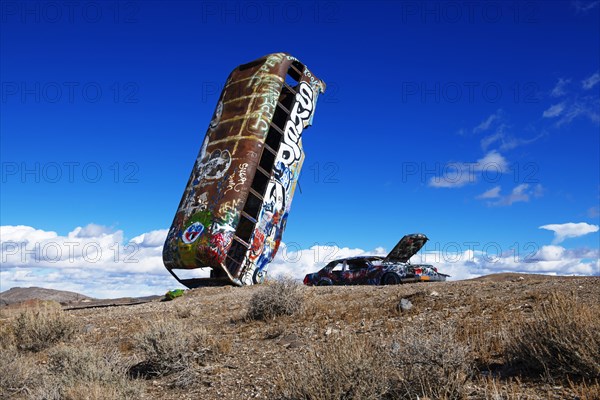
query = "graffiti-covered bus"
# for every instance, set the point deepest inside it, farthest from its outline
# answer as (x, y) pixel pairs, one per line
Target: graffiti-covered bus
(233, 211)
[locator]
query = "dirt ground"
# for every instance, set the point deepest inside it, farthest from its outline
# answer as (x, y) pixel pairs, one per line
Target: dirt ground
(249, 358)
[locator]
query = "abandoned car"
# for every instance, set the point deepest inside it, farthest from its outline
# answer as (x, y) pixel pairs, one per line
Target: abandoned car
(374, 270)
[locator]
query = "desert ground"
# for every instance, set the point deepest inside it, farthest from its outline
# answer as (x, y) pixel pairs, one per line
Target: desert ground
(505, 336)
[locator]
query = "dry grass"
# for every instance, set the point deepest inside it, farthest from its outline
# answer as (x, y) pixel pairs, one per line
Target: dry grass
(172, 348)
(561, 340)
(418, 364)
(38, 330)
(499, 389)
(431, 363)
(18, 374)
(280, 297)
(77, 372)
(70, 373)
(586, 391)
(473, 339)
(343, 368)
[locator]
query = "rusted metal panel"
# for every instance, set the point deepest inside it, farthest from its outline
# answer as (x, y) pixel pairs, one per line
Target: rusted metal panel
(235, 205)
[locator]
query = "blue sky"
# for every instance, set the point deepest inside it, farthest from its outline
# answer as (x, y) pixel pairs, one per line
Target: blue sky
(476, 123)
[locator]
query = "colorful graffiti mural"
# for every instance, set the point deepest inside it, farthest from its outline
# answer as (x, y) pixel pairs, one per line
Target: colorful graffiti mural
(234, 208)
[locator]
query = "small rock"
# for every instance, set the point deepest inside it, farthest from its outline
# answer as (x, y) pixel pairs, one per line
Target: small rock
(404, 305)
(330, 331)
(434, 294)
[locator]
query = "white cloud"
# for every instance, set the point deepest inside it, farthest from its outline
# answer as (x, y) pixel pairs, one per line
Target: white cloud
(151, 239)
(492, 161)
(459, 174)
(296, 262)
(471, 261)
(520, 193)
(587, 107)
(493, 138)
(460, 261)
(111, 277)
(591, 81)
(490, 194)
(93, 259)
(554, 110)
(569, 230)
(90, 231)
(456, 176)
(577, 105)
(488, 122)
(583, 6)
(559, 88)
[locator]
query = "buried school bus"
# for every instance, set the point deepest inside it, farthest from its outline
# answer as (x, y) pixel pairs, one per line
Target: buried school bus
(234, 208)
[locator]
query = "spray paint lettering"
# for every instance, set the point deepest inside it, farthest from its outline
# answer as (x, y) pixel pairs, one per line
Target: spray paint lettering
(289, 150)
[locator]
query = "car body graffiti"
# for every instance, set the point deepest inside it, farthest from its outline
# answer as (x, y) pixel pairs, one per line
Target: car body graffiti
(372, 270)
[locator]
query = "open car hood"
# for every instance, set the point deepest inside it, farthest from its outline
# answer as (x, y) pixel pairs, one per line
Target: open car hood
(407, 247)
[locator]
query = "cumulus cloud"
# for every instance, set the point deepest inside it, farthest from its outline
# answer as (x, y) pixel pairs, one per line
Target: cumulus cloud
(529, 257)
(115, 270)
(492, 160)
(94, 260)
(460, 261)
(569, 230)
(90, 231)
(295, 262)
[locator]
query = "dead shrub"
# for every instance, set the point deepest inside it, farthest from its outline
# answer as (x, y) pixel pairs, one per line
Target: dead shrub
(280, 297)
(7, 338)
(344, 368)
(78, 367)
(18, 374)
(171, 348)
(76, 372)
(561, 340)
(430, 363)
(38, 330)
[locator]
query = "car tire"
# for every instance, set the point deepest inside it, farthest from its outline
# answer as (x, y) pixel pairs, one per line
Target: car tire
(390, 279)
(324, 282)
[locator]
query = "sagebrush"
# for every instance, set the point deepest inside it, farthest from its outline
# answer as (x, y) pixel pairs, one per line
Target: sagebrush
(38, 330)
(562, 339)
(276, 298)
(172, 348)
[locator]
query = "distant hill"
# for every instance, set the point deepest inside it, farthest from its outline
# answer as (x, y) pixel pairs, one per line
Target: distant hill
(18, 294)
